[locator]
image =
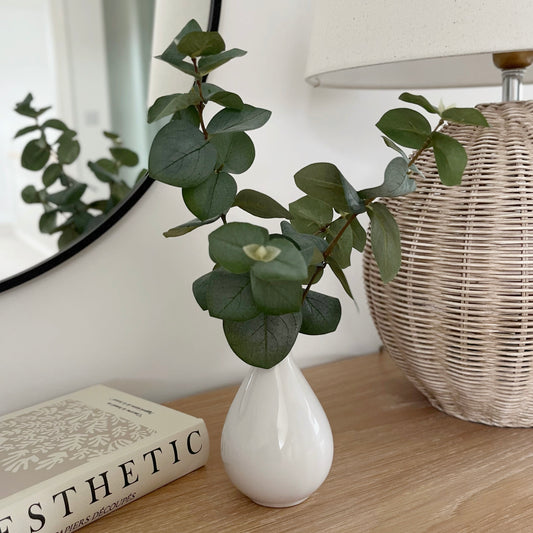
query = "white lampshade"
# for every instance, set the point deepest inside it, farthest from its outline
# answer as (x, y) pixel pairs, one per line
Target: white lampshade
(415, 43)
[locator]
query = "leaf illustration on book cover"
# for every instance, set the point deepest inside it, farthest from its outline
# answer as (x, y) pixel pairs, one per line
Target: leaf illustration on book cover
(52, 439)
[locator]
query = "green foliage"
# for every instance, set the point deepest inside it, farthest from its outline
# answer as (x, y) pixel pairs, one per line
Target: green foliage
(65, 211)
(260, 286)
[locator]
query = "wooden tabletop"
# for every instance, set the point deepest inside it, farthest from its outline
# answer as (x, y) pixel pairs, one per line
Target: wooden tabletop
(400, 466)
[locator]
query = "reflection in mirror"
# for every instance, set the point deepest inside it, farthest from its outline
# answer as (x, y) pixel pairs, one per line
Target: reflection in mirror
(89, 60)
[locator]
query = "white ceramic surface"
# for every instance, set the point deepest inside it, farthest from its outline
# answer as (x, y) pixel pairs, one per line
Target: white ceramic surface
(277, 445)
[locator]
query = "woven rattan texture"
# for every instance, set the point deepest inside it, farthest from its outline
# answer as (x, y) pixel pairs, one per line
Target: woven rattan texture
(458, 318)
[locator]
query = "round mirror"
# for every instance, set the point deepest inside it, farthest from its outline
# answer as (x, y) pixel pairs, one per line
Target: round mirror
(74, 138)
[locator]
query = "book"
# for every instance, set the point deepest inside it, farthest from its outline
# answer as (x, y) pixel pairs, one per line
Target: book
(69, 461)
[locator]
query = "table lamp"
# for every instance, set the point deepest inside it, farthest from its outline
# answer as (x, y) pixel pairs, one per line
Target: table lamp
(458, 318)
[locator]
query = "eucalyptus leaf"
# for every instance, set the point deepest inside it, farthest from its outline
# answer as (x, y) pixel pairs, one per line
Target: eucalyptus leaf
(68, 196)
(289, 265)
(465, 115)
(405, 127)
(265, 340)
(102, 173)
(325, 182)
(276, 297)
(358, 235)
(125, 156)
(321, 314)
(236, 151)
(339, 274)
(418, 100)
(51, 173)
(68, 149)
(171, 103)
(231, 120)
(35, 155)
(209, 63)
(226, 245)
(187, 227)
(260, 205)
(199, 290)
(55, 124)
(212, 197)
(342, 251)
(229, 296)
(47, 221)
(181, 156)
(190, 115)
(201, 43)
(450, 157)
(30, 195)
(311, 246)
(310, 215)
(68, 236)
(396, 183)
(27, 129)
(385, 239)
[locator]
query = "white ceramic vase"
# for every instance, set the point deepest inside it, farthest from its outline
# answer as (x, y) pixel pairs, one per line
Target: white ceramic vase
(277, 445)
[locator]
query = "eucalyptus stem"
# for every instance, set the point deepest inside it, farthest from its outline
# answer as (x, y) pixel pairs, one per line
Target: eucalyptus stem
(201, 105)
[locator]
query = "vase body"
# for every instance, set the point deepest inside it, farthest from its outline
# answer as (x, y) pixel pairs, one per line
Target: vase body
(276, 444)
(458, 318)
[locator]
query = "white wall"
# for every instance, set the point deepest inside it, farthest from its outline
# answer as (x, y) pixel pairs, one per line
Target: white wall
(122, 313)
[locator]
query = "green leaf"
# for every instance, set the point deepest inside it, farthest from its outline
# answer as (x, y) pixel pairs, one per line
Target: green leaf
(125, 156)
(171, 55)
(103, 170)
(229, 296)
(289, 265)
(55, 124)
(325, 182)
(343, 249)
(213, 93)
(465, 115)
(311, 246)
(199, 290)
(47, 222)
(418, 100)
(231, 120)
(212, 197)
(68, 236)
(35, 155)
(119, 190)
(30, 195)
(25, 108)
(310, 215)
(115, 137)
(171, 103)
(27, 129)
(396, 183)
(180, 156)
(187, 227)
(276, 297)
(265, 340)
(260, 205)
(226, 245)
(68, 196)
(201, 43)
(321, 314)
(339, 274)
(189, 115)
(68, 149)
(385, 238)
(450, 157)
(51, 173)
(405, 126)
(236, 151)
(358, 235)
(209, 63)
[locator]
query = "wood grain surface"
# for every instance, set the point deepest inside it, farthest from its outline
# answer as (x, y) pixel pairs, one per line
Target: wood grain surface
(400, 466)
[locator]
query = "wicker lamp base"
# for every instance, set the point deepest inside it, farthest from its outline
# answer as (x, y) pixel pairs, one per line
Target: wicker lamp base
(458, 318)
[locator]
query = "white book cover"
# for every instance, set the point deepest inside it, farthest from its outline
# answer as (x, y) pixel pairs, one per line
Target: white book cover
(74, 459)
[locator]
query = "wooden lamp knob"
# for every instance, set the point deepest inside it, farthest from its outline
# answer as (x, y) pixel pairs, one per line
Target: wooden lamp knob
(512, 60)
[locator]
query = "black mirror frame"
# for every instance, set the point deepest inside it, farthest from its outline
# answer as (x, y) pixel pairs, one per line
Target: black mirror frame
(110, 221)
